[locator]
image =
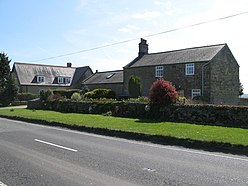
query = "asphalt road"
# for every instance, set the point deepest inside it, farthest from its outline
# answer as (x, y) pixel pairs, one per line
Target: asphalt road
(40, 155)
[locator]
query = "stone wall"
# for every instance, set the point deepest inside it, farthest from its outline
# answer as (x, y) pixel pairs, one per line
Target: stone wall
(174, 73)
(232, 116)
(243, 101)
(224, 78)
(36, 89)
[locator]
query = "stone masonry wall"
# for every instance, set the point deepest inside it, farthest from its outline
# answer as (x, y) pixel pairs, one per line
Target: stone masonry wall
(224, 78)
(174, 73)
(232, 116)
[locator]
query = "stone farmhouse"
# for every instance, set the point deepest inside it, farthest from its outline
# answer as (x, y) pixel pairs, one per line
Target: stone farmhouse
(208, 71)
(35, 77)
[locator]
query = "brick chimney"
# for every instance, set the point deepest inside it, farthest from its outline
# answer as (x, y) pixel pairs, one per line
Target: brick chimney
(143, 47)
(69, 64)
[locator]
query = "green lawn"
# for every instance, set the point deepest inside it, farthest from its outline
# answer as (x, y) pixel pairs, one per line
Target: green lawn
(235, 136)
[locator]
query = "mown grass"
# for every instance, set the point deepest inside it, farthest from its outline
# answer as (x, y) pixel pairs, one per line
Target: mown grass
(235, 136)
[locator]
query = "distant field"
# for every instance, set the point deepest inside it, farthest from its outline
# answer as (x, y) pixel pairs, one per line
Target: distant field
(244, 96)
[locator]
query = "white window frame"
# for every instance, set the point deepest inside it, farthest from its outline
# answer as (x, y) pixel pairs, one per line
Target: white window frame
(60, 80)
(190, 69)
(195, 92)
(40, 79)
(159, 71)
(67, 80)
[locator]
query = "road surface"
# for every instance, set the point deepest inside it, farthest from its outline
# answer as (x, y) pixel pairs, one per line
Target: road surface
(40, 155)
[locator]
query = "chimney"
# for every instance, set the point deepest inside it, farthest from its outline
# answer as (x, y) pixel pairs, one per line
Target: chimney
(69, 64)
(143, 47)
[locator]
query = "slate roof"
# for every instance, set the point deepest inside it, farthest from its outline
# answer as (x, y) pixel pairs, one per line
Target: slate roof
(108, 77)
(26, 74)
(189, 55)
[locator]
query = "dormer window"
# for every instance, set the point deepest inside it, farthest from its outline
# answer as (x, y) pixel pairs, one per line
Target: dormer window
(60, 80)
(64, 80)
(67, 80)
(40, 79)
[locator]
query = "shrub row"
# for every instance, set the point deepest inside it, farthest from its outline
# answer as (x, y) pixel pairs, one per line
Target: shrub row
(100, 93)
(26, 96)
(231, 116)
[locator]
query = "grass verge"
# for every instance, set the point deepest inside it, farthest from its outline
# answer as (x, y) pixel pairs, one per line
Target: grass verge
(182, 132)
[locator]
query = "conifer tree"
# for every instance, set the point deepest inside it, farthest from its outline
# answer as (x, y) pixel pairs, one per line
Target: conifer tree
(8, 89)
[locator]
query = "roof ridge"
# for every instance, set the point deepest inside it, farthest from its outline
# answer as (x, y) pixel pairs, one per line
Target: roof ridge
(109, 71)
(206, 46)
(31, 64)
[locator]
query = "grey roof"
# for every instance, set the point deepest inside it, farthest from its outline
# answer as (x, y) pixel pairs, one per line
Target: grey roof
(79, 74)
(108, 77)
(26, 73)
(197, 54)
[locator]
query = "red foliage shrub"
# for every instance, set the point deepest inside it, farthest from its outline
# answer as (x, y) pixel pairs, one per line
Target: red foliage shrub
(163, 93)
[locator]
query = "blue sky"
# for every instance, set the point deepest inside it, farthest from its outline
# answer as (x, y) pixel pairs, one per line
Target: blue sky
(32, 30)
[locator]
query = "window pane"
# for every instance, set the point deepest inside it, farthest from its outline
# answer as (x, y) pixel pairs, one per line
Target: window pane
(60, 80)
(159, 71)
(196, 92)
(40, 79)
(67, 80)
(190, 69)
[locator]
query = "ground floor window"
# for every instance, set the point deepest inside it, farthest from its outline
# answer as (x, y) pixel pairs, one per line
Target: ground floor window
(195, 92)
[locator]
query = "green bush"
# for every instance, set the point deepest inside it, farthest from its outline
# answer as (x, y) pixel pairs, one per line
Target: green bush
(100, 93)
(134, 86)
(45, 94)
(65, 93)
(141, 99)
(26, 96)
(76, 96)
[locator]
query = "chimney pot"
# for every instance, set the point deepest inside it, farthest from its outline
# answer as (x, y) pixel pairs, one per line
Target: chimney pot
(69, 64)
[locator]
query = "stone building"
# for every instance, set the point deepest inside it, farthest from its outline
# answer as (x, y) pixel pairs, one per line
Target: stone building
(208, 71)
(110, 80)
(35, 77)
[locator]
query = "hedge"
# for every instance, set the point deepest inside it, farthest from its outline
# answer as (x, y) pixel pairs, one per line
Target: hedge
(232, 116)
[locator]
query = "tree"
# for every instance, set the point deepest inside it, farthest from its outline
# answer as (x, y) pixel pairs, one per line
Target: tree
(8, 89)
(241, 89)
(134, 86)
(163, 93)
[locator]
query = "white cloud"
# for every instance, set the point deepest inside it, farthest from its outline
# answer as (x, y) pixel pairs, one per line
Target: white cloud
(148, 15)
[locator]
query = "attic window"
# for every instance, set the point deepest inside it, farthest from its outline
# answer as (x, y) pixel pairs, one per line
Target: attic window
(110, 76)
(64, 80)
(67, 80)
(40, 79)
(60, 80)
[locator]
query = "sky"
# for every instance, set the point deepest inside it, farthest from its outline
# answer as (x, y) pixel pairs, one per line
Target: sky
(32, 31)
